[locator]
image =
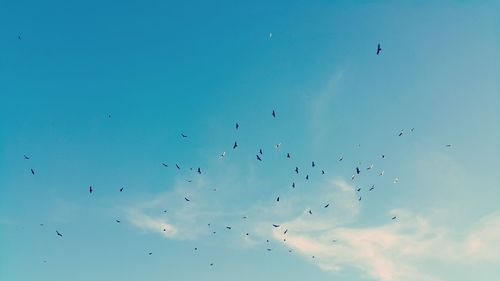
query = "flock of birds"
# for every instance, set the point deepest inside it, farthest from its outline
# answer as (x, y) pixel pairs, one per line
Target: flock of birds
(259, 157)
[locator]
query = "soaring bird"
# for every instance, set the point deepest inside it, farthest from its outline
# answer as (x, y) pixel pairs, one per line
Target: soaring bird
(383, 156)
(260, 151)
(393, 218)
(187, 199)
(353, 176)
(293, 184)
(199, 170)
(26, 157)
(222, 155)
(278, 199)
(228, 227)
(90, 189)
(396, 180)
(165, 165)
(288, 155)
(381, 173)
(58, 233)
(322, 172)
(370, 167)
(276, 225)
(286, 230)
(237, 126)
(341, 158)
(372, 188)
(378, 49)
(307, 177)
(118, 221)
(297, 170)
(448, 145)
(357, 170)
(150, 253)
(235, 145)
(400, 133)
(121, 189)
(19, 37)
(32, 171)
(326, 206)
(278, 145)
(258, 158)
(274, 114)
(310, 212)
(312, 164)
(183, 135)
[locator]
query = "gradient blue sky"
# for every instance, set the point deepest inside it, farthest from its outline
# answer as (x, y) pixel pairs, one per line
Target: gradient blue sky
(161, 68)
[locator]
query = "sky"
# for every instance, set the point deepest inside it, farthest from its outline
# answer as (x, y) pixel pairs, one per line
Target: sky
(98, 94)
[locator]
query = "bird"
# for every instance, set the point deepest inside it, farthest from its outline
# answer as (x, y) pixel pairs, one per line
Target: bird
(358, 190)
(244, 217)
(58, 233)
(187, 199)
(278, 199)
(260, 151)
(357, 170)
(90, 189)
(150, 253)
(396, 180)
(293, 184)
(310, 212)
(393, 218)
(199, 170)
(189, 180)
(400, 133)
(341, 158)
(118, 221)
(322, 172)
(26, 157)
(222, 155)
(19, 37)
(276, 225)
(211, 264)
(268, 249)
(307, 177)
(228, 227)
(286, 230)
(370, 167)
(258, 158)
(359, 199)
(121, 189)
(237, 126)
(312, 164)
(32, 172)
(448, 145)
(297, 170)
(326, 206)
(381, 173)
(353, 176)
(274, 114)
(178, 167)
(235, 145)
(378, 49)
(278, 145)
(412, 129)
(288, 155)
(183, 135)
(383, 156)
(372, 188)
(109, 115)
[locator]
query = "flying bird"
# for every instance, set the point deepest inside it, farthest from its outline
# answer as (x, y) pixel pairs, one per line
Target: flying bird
(278, 145)
(341, 158)
(378, 49)
(178, 167)
(199, 170)
(260, 151)
(26, 157)
(58, 233)
(235, 145)
(372, 188)
(121, 189)
(383, 156)
(258, 158)
(90, 189)
(370, 167)
(150, 253)
(326, 206)
(312, 164)
(32, 171)
(118, 221)
(274, 114)
(286, 230)
(288, 155)
(228, 227)
(183, 135)
(293, 184)
(223, 154)
(276, 225)
(400, 133)
(396, 180)
(278, 199)
(307, 177)
(393, 218)
(448, 145)
(187, 199)
(237, 126)
(381, 173)
(357, 170)
(297, 170)
(310, 212)
(19, 37)
(322, 172)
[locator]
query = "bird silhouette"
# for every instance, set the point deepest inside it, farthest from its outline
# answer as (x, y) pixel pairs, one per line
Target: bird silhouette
(187, 200)
(357, 170)
(260, 151)
(286, 230)
(293, 184)
(393, 218)
(258, 158)
(278, 199)
(58, 233)
(312, 164)
(26, 157)
(296, 170)
(183, 135)
(90, 189)
(378, 49)
(228, 227)
(237, 126)
(235, 145)
(121, 189)
(274, 114)
(326, 206)
(178, 167)
(32, 171)
(276, 225)
(310, 212)
(307, 177)
(322, 172)
(164, 165)
(118, 221)
(341, 158)
(199, 170)
(288, 155)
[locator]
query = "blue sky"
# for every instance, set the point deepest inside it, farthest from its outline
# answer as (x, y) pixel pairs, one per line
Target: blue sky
(165, 68)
